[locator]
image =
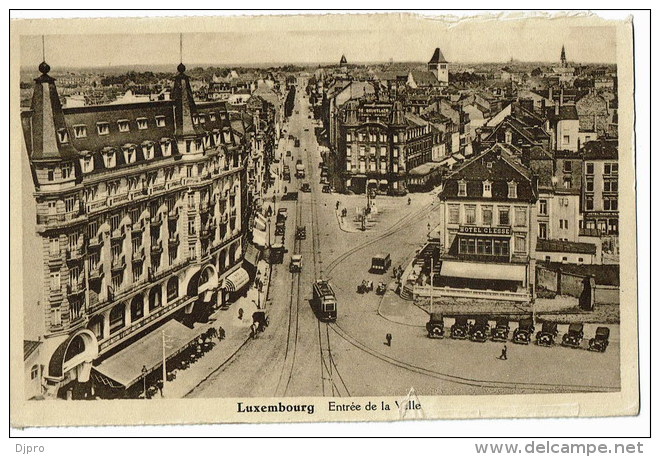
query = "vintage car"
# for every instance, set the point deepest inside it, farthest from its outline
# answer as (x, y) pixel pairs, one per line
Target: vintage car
(601, 340)
(461, 328)
(381, 289)
(380, 263)
(288, 153)
(436, 326)
(480, 330)
(280, 228)
(546, 336)
(326, 189)
(261, 319)
(365, 287)
(574, 336)
(523, 334)
(306, 187)
(276, 253)
(501, 330)
(296, 263)
(301, 232)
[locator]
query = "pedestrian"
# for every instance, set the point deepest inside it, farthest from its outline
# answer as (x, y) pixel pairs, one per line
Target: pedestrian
(409, 200)
(388, 338)
(240, 314)
(503, 355)
(221, 333)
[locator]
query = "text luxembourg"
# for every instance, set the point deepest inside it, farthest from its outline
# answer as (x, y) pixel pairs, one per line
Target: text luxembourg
(278, 408)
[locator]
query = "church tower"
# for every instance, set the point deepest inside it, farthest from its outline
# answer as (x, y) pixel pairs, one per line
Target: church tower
(564, 63)
(439, 66)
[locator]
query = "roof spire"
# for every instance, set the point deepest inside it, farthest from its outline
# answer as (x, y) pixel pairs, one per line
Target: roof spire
(181, 67)
(44, 68)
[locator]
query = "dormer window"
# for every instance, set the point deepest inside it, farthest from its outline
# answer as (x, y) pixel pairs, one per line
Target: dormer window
(462, 188)
(103, 128)
(87, 164)
(189, 146)
(63, 136)
(160, 121)
(67, 170)
(202, 119)
(109, 159)
(142, 123)
(166, 148)
(123, 125)
(513, 189)
(148, 151)
(129, 154)
(80, 131)
(487, 189)
(212, 117)
(195, 119)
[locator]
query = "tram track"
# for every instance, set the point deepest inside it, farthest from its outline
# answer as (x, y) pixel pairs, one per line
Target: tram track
(293, 323)
(332, 383)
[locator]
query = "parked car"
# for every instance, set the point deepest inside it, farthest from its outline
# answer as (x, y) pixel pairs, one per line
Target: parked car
(381, 289)
(306, 187)
(546, 336)
(601, 340)
(480, 330)
(380, 263)
(282, 214)
(365, 286)
(436, 326)
(501, 330)
(301, 232)
(280, 228)
(296, 263)
(574, 336)
(288, 153)
(461, 328)
(523, 334)
(326, 189)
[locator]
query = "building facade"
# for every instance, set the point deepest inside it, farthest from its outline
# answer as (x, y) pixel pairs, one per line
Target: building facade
(140, 212)
(488, 233)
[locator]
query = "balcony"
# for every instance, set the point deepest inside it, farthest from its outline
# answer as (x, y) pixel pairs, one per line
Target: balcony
(118, 234)
(138, 256)
(74, 254)
(95, 242)
(118, 263)
(173, 215)
(173, 240)
(75, 287)
(157, 249)
(156, 220)
(55, 259)
(96, 273)
(204, 207)
(137, 227)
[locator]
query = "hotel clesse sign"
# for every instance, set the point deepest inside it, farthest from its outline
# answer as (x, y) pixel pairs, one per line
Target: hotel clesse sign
(472, 230)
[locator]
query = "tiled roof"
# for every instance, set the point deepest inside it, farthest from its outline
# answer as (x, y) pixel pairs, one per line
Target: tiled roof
(438, 57)
(570, 247)
(29, 347)
(601, 149)
(424, 78)
(503, 169)
(566, 112)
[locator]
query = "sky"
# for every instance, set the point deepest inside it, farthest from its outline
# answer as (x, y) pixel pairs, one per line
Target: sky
(305, 39)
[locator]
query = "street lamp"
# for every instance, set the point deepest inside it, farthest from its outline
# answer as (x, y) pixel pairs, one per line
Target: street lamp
(144, 381)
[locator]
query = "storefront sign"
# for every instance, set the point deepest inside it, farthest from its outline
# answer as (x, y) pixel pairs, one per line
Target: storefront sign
(506, 231)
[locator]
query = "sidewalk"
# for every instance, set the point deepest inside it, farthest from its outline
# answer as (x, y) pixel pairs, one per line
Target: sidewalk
(237, 334)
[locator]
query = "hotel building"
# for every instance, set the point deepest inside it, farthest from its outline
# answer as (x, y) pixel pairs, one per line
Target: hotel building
(140, 214)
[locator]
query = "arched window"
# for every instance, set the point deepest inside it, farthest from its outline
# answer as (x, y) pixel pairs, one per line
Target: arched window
(222, 263)
(96, 325)
(117, 318)
(76, 346)
(137, 307)
(172, 288)
(155, 298)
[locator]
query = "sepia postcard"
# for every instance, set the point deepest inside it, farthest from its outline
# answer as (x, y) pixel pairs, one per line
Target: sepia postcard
(310, 218)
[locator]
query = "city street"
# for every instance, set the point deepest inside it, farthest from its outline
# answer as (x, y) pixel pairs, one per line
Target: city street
(298, 355)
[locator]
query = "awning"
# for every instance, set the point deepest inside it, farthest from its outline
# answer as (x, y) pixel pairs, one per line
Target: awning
(259, 237)
(383, 181)
(125, 367)
(252, 255)
(236, 280)
(477, 270)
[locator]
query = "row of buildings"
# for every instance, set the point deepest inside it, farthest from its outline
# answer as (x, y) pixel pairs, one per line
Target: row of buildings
(141, 214)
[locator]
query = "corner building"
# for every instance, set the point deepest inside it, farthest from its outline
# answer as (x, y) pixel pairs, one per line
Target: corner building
(140, 212)
(488, 229)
